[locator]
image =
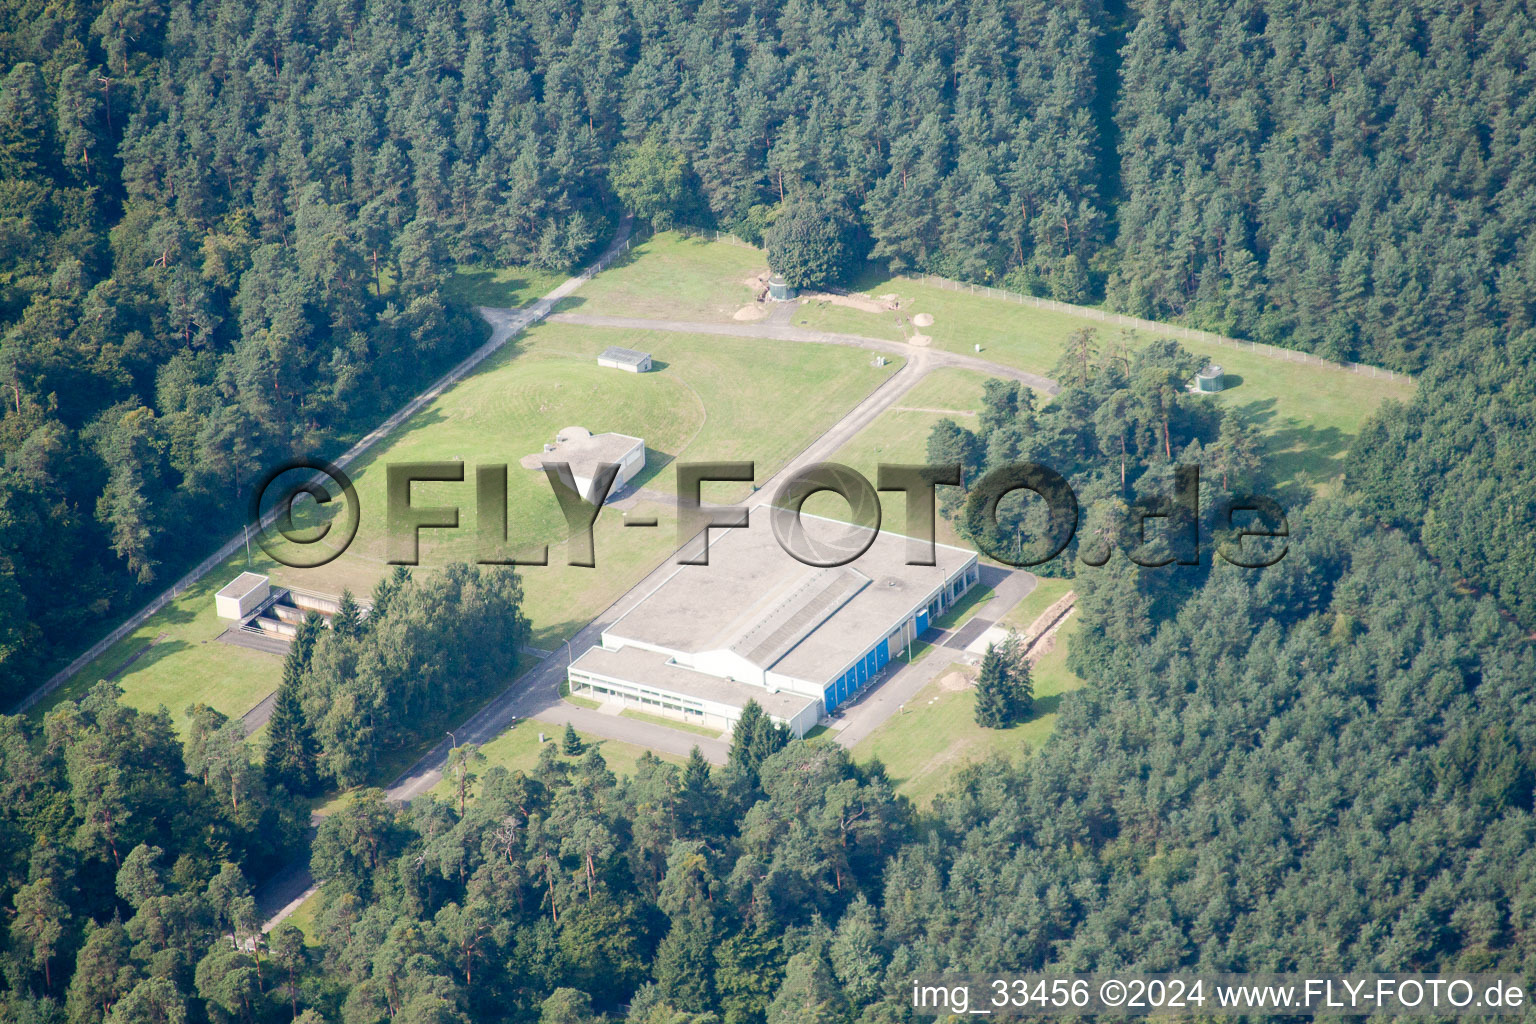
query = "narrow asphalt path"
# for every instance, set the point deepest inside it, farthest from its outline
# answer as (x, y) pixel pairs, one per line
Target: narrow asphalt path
(504, 324)
(536, 694)
(283, 893)
(784, 332)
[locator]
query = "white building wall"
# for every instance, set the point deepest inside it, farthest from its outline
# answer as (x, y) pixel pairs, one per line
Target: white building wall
(630, 465)
(660, 701)
(239, 607)
(726, 664)
(614, 364)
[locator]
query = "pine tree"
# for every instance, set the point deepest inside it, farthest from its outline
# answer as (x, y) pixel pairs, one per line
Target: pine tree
(1021, 682)
(1000, 698)
(292, 756)
(571, 743)
(462, 760)
(755, 739)
(698, 797)
(348, 620)
(1075, 367)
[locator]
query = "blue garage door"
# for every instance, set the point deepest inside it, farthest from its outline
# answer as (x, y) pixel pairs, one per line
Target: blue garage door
(922, 622)
(882, 654)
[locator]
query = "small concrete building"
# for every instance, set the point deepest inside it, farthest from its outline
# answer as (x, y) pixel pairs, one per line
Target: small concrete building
(758, 624)
(779, 289)
(1210, 379)
(585, 451)
(617, 358)
(241, 595)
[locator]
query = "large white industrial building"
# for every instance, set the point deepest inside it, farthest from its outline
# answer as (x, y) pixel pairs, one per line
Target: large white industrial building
(757, 624)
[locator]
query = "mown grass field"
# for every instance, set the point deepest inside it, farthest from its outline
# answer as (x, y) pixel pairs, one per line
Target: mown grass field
(1048, 591)
(174, 659)
(1308, 412)
(500, 286)
(899, 435)
(708, 398)
(937, 734)
(670, 723)
(517, 749)
(673, 275)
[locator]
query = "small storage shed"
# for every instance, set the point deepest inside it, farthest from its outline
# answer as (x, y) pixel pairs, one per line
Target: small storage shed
(241, 595)
(616, 358)
(779, 290)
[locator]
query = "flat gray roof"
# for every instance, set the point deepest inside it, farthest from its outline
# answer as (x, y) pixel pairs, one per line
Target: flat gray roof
(624, 355)
(802, 621)
(640, 666)
(584, 450)
(242, 585)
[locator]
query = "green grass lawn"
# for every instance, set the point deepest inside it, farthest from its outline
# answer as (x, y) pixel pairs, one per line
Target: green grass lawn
(1047, 592)
(670, 723)
(175, 659)
(694, 406)
(937, 734)
(900, 435)
(517, 749)
(303, 918)
(500, 286)
(963, 612)
(673, 275)
(1308, 412)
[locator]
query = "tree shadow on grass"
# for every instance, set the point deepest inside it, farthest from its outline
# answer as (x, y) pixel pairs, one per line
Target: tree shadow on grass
(478, 286)
(1302, 457)
(553, 636)
(1047, 705)
(1298, 456)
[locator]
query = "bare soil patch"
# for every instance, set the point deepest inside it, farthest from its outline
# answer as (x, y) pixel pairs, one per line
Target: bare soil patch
(954, 682)
(854, 301)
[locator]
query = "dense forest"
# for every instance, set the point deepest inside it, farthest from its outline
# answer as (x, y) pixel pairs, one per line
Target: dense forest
(229, 231)
(227, 226)
(1119, 432)
(1325, 765)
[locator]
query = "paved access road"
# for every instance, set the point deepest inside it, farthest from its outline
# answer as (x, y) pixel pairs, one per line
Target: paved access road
(783, 332)
(888, 696)
(536, 694)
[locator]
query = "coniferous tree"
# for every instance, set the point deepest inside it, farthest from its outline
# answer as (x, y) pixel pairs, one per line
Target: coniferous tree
(1000, 699)
(348, 619)
(292, 755)
(570, 743)
(755, 738)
